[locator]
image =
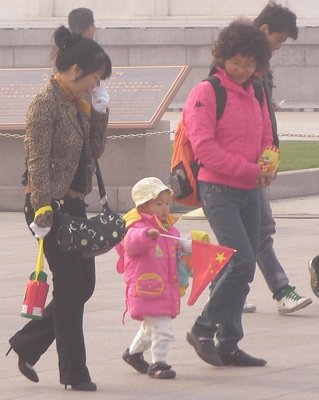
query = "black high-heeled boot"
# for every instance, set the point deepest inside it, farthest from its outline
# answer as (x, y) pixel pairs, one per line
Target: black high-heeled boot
(83, 387)
(26, 369)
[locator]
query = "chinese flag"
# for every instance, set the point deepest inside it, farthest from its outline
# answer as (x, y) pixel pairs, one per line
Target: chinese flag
(208, 260)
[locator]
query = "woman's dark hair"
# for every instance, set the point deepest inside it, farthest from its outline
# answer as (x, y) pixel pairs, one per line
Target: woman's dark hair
(245, 39)
(278, 19)
(73, 49)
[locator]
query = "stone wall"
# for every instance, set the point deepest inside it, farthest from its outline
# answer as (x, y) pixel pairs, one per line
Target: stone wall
(123, 163)
(295, 66)
(161, 32)
(125, 9)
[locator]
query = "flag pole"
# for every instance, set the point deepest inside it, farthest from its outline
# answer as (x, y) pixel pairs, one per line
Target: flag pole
(186, 240)
(175, 237)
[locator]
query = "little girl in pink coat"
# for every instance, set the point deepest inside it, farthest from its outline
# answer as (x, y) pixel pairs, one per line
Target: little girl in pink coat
(149, 263)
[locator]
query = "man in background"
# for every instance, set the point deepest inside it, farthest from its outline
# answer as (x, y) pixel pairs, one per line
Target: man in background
(278, 23)
(81, 20)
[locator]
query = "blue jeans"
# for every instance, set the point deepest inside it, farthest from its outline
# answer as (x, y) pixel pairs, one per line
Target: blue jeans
(234, 216)
(267, 260)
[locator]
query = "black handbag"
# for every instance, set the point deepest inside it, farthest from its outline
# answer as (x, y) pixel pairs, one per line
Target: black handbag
(90, 237)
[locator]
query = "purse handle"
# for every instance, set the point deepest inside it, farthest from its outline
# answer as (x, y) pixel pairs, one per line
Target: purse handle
(40, 260)
(98, 174)
(101, 185)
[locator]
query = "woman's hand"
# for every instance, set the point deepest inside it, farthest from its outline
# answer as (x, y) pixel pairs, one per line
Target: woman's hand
(100, 99)
(265, 179)
(43, 220)
(39, 232)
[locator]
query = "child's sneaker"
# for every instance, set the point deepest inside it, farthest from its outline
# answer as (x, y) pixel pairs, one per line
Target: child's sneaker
(314, 275)
(161, 370)
(136, 361)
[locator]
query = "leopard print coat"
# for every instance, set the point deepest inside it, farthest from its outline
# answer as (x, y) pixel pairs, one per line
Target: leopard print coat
(54, 139)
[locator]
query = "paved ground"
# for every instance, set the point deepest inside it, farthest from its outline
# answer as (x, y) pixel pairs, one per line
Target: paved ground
(289, 343)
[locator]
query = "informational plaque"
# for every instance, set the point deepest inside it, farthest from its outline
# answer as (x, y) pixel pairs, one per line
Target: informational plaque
(139, 96)
(17, 89)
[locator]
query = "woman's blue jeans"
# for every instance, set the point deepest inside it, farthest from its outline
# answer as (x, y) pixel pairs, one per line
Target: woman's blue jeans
(234, 216)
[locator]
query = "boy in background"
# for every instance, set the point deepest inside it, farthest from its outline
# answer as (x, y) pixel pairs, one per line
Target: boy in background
(81, 20)
(278, 23)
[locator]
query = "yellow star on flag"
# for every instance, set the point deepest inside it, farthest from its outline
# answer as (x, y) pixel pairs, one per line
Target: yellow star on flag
(220, 257)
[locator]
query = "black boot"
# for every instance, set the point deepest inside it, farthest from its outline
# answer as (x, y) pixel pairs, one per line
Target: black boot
(26, 369)
(83, 387)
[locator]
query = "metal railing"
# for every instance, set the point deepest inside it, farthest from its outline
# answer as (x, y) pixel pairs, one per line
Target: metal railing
(141, 135)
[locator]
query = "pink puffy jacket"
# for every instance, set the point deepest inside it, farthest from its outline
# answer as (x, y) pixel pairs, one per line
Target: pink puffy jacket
(150, 268)
(228, 148)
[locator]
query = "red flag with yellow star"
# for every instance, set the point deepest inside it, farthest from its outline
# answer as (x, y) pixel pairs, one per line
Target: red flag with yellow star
(208, 260)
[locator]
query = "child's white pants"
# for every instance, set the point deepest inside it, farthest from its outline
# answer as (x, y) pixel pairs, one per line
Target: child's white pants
(155, 332)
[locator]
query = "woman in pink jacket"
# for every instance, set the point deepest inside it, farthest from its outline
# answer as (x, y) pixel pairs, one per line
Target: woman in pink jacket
(149, 263)
(229, 178)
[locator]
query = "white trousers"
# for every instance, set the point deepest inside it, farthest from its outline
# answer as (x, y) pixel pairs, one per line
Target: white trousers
(154, 333)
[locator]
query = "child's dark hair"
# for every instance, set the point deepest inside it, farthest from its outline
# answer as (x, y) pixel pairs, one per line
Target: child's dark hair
(245, 39)
(278, 19)
(73, 49)
(80, 19)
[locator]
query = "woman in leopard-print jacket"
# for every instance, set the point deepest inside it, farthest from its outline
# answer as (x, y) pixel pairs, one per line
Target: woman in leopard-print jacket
(64, 134)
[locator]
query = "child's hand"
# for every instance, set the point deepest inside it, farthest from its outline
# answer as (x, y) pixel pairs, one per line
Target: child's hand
(152, 233)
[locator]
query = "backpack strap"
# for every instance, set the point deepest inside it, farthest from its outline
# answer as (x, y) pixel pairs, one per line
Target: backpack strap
(220, 93)
(259, 92)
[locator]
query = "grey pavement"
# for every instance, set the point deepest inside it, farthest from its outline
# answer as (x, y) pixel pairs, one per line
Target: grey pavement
(289, 343)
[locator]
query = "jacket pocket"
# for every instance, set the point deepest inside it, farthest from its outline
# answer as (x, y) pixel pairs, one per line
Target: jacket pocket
(149, 286)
